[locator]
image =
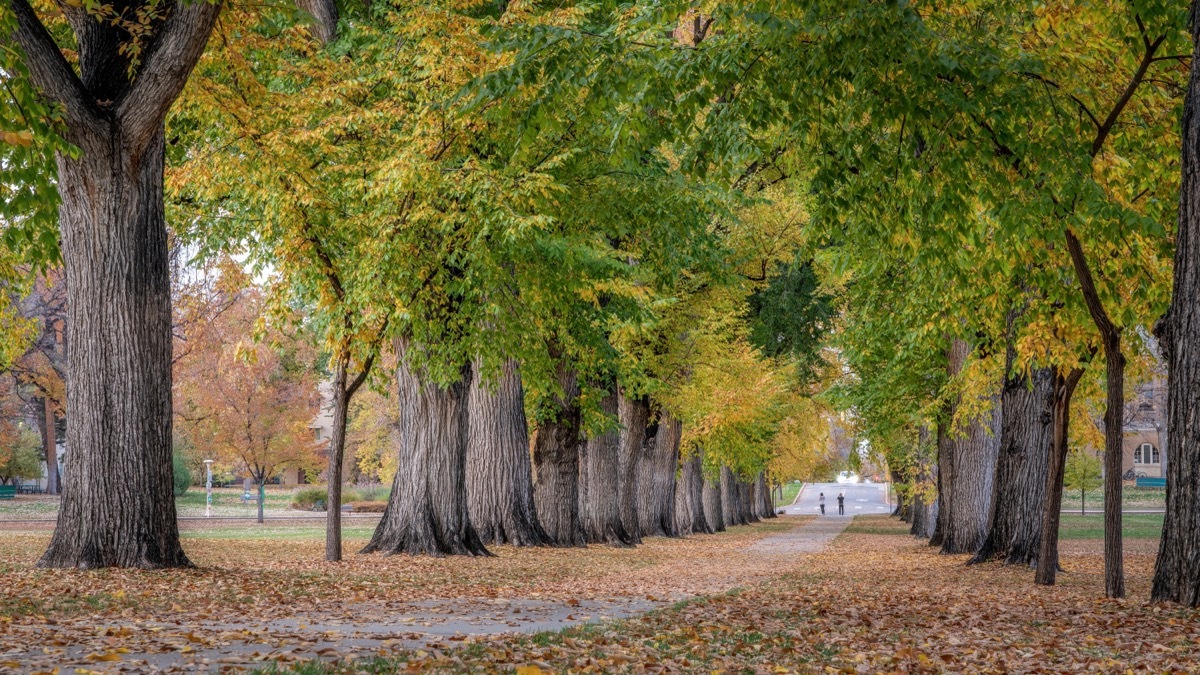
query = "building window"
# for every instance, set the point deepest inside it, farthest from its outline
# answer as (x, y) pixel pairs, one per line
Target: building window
(1145, 454)
(317, 433)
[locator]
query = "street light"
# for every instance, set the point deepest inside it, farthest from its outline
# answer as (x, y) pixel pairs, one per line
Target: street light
(208, 488)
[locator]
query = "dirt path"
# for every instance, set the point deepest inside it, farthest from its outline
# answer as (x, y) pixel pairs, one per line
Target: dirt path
(600, 584)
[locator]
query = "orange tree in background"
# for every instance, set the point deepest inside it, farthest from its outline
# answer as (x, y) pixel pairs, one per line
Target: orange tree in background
(246, 402)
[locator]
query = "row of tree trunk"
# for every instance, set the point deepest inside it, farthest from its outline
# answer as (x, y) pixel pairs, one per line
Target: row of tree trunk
(466, 480)
(999, 475)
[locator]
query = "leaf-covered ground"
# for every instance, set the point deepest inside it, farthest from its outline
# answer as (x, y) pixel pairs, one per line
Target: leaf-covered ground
(876, 601)
(263, 593)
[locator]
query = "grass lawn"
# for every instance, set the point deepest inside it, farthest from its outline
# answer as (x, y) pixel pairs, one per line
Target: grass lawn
(227, 502)
(1131, 498)
(790, 490)
(1133, 526)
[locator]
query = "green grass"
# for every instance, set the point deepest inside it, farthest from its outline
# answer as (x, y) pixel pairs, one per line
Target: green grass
(1133, 526)
(1131, 498)
(790, 491)
(267, 531)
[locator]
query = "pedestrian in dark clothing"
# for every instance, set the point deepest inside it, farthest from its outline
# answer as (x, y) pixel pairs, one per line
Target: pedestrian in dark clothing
(841, 503)
(821, 501)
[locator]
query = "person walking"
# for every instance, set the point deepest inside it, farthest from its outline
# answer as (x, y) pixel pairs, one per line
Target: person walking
(821, 501)
(841, 503)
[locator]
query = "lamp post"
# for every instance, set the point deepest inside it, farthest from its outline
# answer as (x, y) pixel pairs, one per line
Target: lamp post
(208, 488)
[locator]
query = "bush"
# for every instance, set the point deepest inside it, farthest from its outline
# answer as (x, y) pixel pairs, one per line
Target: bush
(183, 474)
(368, 507)
(313, 498)
(376, 492)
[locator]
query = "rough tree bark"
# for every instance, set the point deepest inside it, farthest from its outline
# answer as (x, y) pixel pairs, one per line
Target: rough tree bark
(114, 249)
(656, 480)
(745, 494)
(764, 507)
(556, 463)
(499, 472)
(1114, 423)
(1047, 562)
(427, 510)
(712, 503)
(1177, 570)
(944, 475)
(602, 513)
(633, 414)
(325, 17)
(731, 508)
(967, 484)
(689, 497)
(1015, 527)
(924, 501)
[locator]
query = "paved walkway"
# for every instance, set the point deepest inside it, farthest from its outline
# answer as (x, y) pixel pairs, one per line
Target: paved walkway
(862, 499)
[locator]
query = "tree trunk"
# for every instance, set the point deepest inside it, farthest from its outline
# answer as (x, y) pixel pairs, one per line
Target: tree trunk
(944, 474)
(499, 473)
(731, 508)
(1047, 562)
(1177, 570)
(763, 507)
(337, 452)
(745, 493)
(427, 510)
(967, 481)
(924, 499)
(633, 415)
(974, 471)
(556, 464)
(689, 497)
(602, 515)
(712, 503)
(1114, 431)
(51, 447)
(114, 245)
(114, 250)
(656, 481)
(1019, 493)
(262, 493)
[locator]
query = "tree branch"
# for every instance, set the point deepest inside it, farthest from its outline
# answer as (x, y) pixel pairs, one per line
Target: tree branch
(1108, 330)
(166, 70)
(1138, 76)
(50, 70)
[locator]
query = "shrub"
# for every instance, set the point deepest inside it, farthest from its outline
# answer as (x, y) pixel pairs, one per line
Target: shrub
(313, 498)
(182, 473)
(376, 492)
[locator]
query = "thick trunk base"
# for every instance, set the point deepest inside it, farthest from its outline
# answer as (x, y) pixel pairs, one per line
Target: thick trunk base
(427, 511)
(118, 504)
(656, 481)
(499, 474)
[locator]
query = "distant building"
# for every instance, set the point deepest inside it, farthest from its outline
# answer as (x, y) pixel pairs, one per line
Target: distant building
(1145, 438)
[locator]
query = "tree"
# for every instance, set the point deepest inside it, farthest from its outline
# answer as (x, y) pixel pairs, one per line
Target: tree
(499, 479)
(427, 510)
(132, 67)
(248, 403)
(1082, 472)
